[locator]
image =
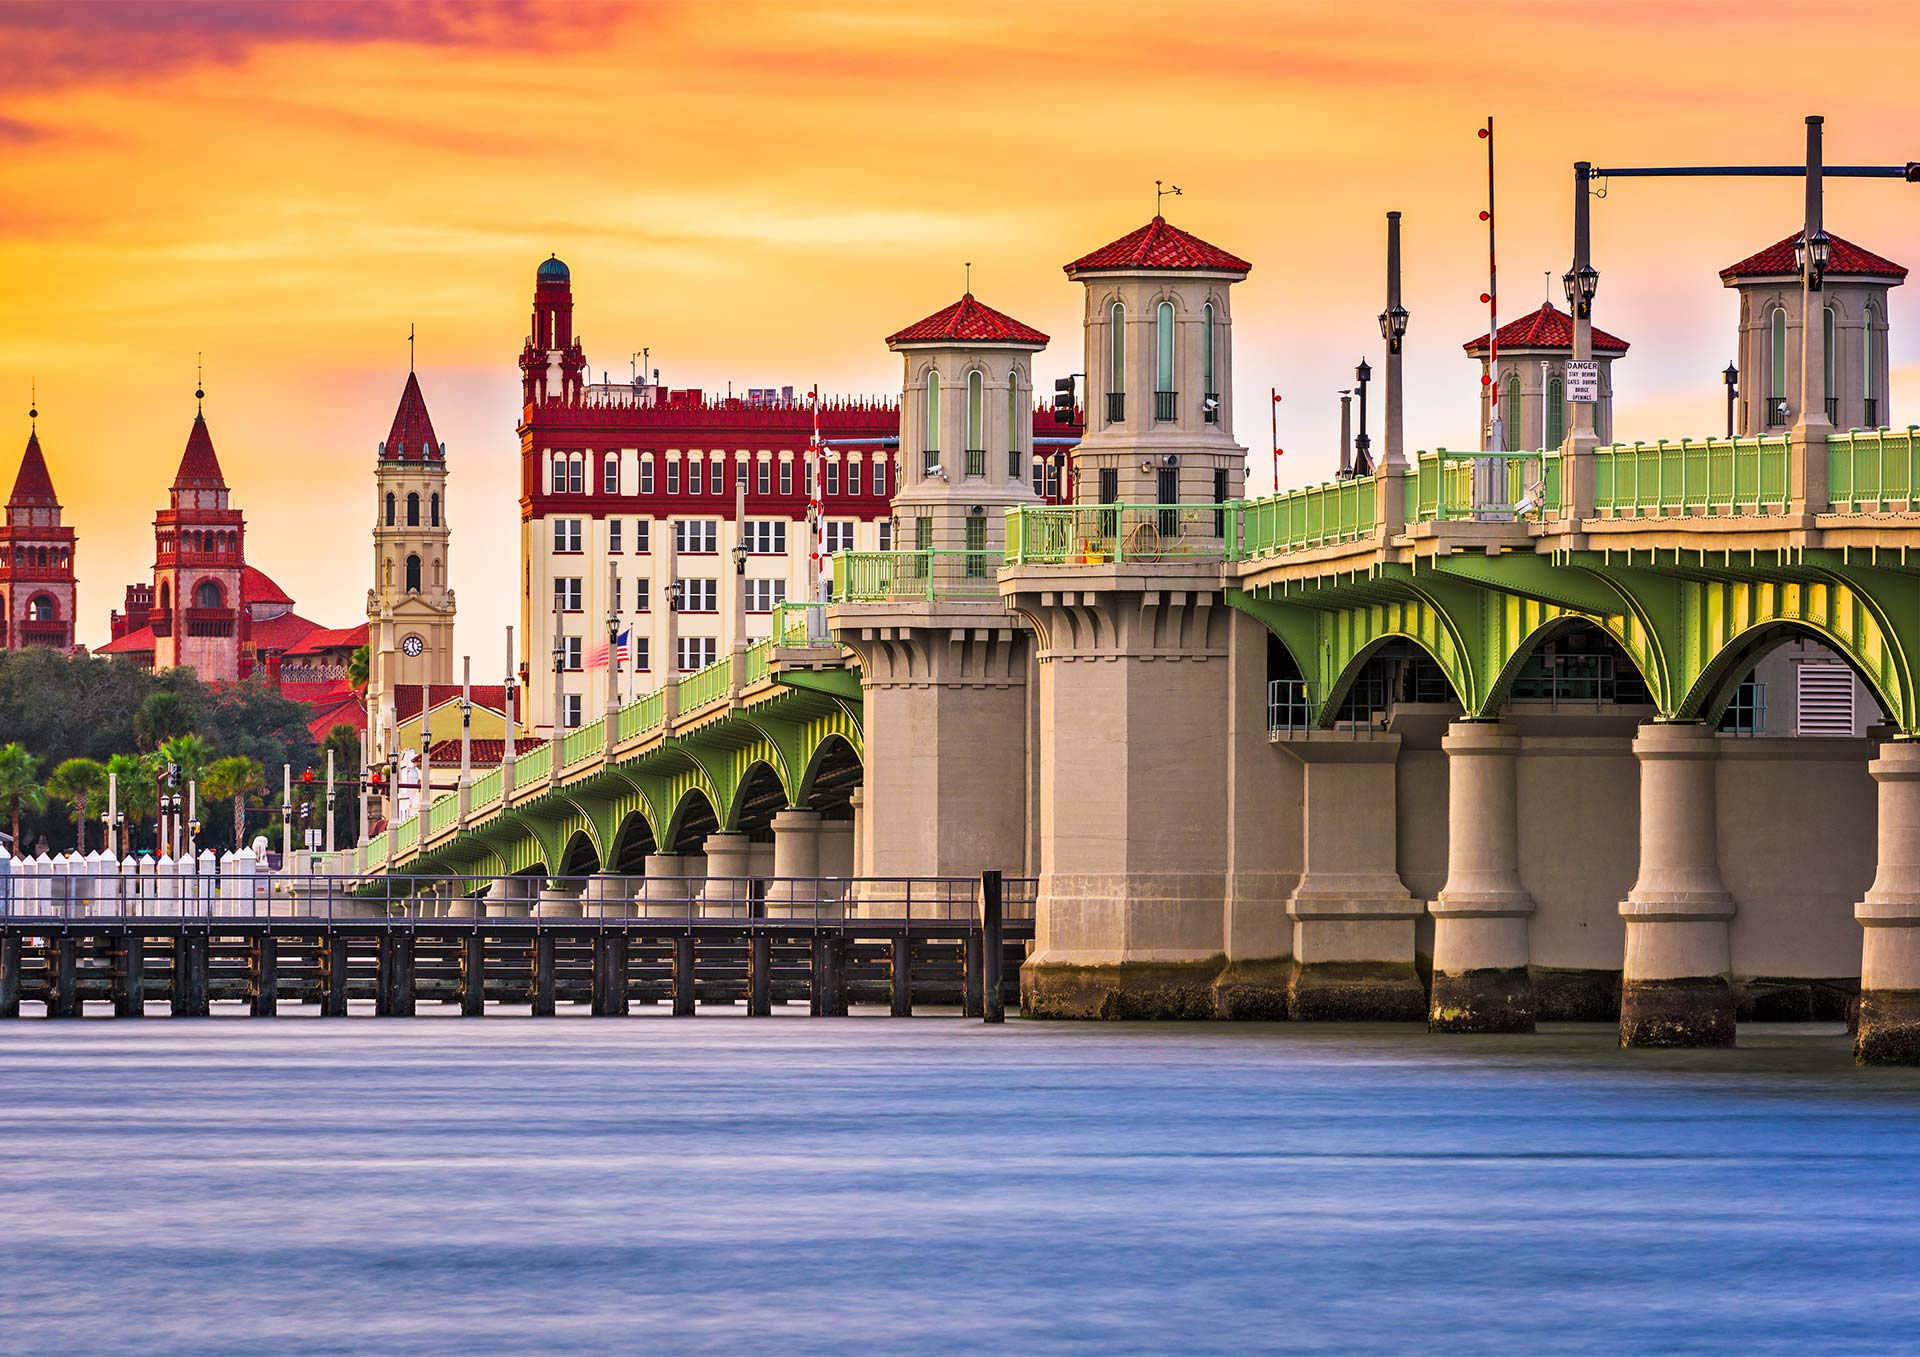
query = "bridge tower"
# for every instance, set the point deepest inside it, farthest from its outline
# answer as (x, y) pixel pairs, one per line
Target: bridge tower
(945, 668)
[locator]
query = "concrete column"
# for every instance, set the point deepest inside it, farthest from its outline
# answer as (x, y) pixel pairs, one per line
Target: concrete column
(607, 895)
(559, 901)
(507, 898)
(796, 859)
(1353, 918)
(1889, 1032)
(1675, 988)
(725, 893)
(1481, 916)
(862, 843)
(671, 880)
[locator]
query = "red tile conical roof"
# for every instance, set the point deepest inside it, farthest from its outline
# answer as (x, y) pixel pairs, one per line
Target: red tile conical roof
(411, 438)
(198, 465)
(1159, 245)
(1844, 257)
(1547, 328)
(968, 322)
(33, 486)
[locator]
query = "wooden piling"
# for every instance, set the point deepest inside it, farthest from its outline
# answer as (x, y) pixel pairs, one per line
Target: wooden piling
(9, 975)
(902, 968)
(837, 973)
(683, 980)
(63, 978)
(610, 973)
(190, 999)
(819, 975)
(473, 975)
(393, 991)
(993, 946)
(266, 974)
(971, 986)
(542, 974)
(759, 976)
(333, 962)
(130, 993)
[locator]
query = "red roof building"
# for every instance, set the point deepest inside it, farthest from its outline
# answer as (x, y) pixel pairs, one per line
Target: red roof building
(411, 438)
(968, 322)
(37, 588)
(1845, 260)
(1548, 330)
(1159, 245)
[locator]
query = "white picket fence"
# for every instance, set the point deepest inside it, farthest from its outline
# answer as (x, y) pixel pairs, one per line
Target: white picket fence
(229, 885)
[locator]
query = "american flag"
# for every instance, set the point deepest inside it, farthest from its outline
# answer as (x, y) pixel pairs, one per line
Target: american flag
(621, 652)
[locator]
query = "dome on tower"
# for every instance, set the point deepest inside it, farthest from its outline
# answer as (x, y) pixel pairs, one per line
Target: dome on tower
(552, 270)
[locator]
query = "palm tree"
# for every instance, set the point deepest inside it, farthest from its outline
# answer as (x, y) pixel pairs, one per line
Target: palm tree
(188, 754)
(78, 781)
(19, 785)
(359, 668)
(236, 777)
(135, 781)
(161, 717)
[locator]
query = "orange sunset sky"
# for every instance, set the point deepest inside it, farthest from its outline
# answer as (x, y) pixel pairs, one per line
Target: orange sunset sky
(761, 192)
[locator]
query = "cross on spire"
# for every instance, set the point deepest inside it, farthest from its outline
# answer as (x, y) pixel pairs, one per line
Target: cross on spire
(199, 384)
(33, 403)
(409, 346)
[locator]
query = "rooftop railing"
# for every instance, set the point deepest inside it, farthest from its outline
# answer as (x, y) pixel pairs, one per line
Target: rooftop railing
(1096, 534)
(898, 576)
(1710, 477)
(1873, 470)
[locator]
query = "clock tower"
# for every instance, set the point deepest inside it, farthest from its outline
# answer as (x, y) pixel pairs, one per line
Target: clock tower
(410, 605)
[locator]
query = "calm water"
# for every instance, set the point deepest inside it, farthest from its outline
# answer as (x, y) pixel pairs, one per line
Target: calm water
(876, 1186)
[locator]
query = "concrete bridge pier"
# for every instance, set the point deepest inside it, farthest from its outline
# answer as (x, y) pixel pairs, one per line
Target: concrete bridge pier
(1481, 916)
(607, 895)
(1353, 918)
(729, 867)
(672, 879)
(796, 861)
(1676, 987)
(507, 898)
(1889, 1029)
(559, 900)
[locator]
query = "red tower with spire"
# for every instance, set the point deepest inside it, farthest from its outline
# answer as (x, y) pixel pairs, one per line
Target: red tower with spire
(199, 562)
(36, 560)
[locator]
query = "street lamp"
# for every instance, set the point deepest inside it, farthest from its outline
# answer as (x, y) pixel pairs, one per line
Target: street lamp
(1732, 378)
(1580, 284)
(1362, 445)
(1393, 326)
(1812, 252)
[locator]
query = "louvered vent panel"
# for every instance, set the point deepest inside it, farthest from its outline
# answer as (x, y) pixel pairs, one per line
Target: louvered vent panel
(1826, 700)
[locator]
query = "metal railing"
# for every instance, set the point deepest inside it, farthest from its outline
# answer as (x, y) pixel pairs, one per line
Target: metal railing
(533, 766)
(1870, 413)
(1449, 484)
(1116, 406)
(644, 713)
(1210, 407)
(1165, 406)
(1095, 534)
(1713, 477)
(1776, 412)
(1289, 706)
(1317, 515)
(704, 685)
(583, 744)
(443, 814)
(976, 461)
(891, 576)
(486, 788)
(1873, 470)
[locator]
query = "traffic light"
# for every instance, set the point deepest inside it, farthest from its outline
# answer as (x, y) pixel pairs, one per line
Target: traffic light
(1063, 402)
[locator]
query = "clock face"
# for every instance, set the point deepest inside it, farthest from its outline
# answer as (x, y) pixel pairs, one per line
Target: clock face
(413, 645)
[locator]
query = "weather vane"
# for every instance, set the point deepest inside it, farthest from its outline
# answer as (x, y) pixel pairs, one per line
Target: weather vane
(409, 346)
(1170, 191)
(199, 383)
(33, 403)
(968, 266)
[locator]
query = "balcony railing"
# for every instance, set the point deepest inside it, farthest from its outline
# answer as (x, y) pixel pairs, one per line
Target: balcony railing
(1210, 407)
(40, 633)
(896, 576)
(976, 461)
(162, 624)
(1116, 406)
(1776, 412)
(1165, 406)
(1870, 414)
(209, 622)
(1095, 534)
(1714, 477)
(1833, 409)
(1873, 470)
(1339, 511)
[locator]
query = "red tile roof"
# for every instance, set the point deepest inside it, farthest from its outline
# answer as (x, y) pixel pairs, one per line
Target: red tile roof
(1547, 328)
(968, 321)
(198, 465)
(33, 485)
(1844, 258)
(335, 638)
(411, 438)
(286, 632)
(406, 698)
(1158, 245)
(133, 643)
(256, 587)
(485, 753)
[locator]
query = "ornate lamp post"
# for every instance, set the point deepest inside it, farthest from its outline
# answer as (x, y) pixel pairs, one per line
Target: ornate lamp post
(1362, 445)
(1732, 378)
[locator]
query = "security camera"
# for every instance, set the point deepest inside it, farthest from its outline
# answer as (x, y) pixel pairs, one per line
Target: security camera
(1210, 404)
(1169, 460)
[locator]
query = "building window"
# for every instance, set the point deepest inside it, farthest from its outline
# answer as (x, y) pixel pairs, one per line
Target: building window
(433, 516)
(1777, 367)
(206, 594)
(762, 595)
(696, 475)
(413, 511)
(976, 423)
(610, 474)
(642, 594)
(642, 654)
(696, 652)
(740, 472)
(886, 534)
(413, 575)
(615, 582)
(1209, 393)
(833, 476)
(923, 533)
(576, 475)
(559, 481)
(566, 534)
(696, 536)
(566, 594)
(880, 466)
(1117, 370)
(1040, 475)
(40, 609)
(642, 535)
(571, 706)
(932, 446)
(613, 534)
(1163, 393)
(976, 537)
(853, 475)
(1109, 485)
(1556, 412)
(807, 488)
(673, 477)
(646, 475)
(1832, 366)
(838, 535)
(1510, 432)
(766, 537)
(699, 596)
(762, 478)
(786, 478)
(390, 504)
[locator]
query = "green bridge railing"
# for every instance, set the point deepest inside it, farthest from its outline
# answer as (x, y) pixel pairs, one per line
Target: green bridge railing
(704, 685)
(1873, 470)
(1095, 534)
(533, 766)
(582, 744)
(443, 814)
(1714, 477)
(486, 789)
(901, 576)
(1441, 485)
(1313, 516)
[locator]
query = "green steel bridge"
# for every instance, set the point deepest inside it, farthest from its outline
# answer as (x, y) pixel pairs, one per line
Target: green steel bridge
(1693, 556)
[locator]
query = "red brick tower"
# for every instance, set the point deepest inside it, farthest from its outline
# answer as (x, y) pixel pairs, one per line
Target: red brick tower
(36, 560)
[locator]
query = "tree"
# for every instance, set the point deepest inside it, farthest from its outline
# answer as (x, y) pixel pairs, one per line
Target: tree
(359, 668)
(235, 777)
(135, 783)
(343, 741)
(162, 716)
(19, 786)
(255, 719)
(189, 756)
(78, 782)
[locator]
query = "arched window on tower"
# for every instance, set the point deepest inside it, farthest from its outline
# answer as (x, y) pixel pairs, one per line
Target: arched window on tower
(413, 574)
(1014, 457)
(1776, 396)
(931, 455)
(206, 594)
(1871, 415)
(413, 510)
(433, 513)
(976, 423)
(1210, 396)
(1556, 412)
(166, 597)
(1510, 433)
(1163, 394)
(1117, 372)
(40, 609)
(389, 508)
(1831, 390)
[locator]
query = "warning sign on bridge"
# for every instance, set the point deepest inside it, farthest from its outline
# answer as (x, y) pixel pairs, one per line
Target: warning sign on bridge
(1583, 381)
